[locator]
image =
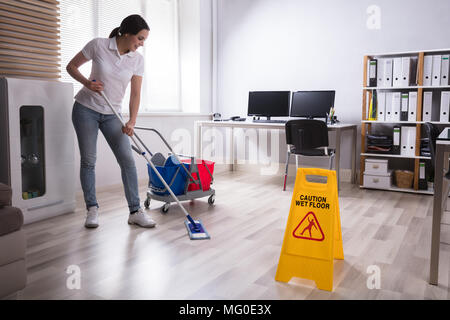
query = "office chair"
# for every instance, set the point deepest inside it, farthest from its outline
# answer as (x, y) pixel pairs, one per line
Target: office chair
(432, 132)
(309, 138)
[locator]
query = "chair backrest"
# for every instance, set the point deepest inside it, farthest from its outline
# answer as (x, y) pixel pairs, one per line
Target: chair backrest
(306, 134)
(432, 133)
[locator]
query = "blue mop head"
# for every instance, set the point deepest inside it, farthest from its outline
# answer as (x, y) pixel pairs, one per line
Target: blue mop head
(197, 233)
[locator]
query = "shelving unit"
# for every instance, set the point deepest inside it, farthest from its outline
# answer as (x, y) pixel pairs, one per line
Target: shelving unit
(368, 125)
(368, 154)
(406, 122)
(406, 88)
(396, 189)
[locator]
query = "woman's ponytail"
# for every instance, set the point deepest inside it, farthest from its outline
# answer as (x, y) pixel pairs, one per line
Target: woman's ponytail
(114, 33)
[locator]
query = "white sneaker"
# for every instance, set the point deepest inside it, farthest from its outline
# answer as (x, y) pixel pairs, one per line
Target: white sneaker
(92, 218)
(141, 219)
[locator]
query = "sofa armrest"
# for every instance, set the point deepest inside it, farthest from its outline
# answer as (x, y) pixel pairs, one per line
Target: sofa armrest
(5, 195)
(11, 219)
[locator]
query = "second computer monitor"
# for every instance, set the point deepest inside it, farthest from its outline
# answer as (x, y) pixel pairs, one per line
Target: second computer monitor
(312, 104)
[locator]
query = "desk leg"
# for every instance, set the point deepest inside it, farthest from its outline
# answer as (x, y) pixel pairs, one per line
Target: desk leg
(437, 213)
(354, 178)
(338, 157)
(232, 148)
(198, 152)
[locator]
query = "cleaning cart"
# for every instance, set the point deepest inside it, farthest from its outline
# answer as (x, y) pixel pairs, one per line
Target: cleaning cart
(195, 228)
(189, 179)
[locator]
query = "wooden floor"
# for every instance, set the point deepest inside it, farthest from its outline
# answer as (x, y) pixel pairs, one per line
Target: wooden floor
(388, 229)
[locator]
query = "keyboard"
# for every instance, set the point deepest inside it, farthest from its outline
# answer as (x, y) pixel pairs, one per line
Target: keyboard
(270, 121)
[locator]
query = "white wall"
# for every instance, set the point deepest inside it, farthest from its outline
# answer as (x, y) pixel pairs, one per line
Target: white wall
(189, 35)
(304, 45)
(195, 55)
(206, 56)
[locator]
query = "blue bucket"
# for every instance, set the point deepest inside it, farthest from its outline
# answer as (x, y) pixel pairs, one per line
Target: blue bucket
(172, 170)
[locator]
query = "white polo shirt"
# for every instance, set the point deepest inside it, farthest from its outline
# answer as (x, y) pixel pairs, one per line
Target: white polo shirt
(113, 70)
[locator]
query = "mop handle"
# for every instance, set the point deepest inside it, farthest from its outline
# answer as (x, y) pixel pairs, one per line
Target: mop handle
(149, 162)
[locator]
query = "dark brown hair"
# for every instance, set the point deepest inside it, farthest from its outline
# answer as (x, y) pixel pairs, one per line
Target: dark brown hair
(131, 24)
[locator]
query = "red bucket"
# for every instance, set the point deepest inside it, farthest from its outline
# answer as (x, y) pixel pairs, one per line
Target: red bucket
(205, 177)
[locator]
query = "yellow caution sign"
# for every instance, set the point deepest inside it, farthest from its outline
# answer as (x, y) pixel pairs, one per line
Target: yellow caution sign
(313, 235)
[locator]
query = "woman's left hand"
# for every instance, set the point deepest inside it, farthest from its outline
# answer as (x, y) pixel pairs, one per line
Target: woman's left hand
(129, 128)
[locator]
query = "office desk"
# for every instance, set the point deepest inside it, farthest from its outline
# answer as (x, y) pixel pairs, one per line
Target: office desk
(338, 128)
(439, 199)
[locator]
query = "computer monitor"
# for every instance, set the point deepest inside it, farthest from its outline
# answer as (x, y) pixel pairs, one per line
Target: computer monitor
(312, 104)
(269, 103)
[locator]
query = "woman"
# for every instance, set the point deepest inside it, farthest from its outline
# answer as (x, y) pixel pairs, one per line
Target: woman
(115, 63)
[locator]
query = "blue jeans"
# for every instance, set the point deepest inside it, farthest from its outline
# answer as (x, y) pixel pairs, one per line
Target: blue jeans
(86, 123)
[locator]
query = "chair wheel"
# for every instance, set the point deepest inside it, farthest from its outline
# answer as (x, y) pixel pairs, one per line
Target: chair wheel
(165, 208)
(147, 203)
(211, 199)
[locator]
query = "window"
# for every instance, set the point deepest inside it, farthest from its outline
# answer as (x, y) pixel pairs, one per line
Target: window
(83, 20)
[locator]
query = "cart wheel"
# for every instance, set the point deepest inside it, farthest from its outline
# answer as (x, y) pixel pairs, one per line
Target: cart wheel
(147, 203)
(211, 199)
(165, 208)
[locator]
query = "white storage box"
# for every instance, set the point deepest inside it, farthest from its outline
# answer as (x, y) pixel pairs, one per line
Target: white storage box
(376, 167)
(378, 181)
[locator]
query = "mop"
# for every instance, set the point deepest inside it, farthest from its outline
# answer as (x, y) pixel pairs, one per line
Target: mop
(195, 228)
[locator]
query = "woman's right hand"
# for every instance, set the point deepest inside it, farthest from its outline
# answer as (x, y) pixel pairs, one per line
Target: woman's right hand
(95, 86)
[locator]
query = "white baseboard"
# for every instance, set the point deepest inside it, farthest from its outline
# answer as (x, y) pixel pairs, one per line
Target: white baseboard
(345, 174)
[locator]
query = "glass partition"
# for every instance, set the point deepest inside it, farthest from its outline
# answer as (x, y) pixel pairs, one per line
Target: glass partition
(32, 151)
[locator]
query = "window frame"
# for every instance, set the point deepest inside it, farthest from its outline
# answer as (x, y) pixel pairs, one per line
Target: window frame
(145, 98)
